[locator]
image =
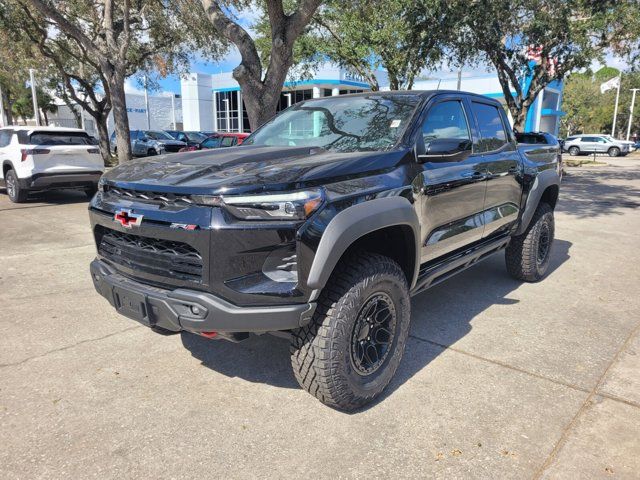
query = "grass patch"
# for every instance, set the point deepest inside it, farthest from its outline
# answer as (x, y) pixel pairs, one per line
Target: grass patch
(582, 163)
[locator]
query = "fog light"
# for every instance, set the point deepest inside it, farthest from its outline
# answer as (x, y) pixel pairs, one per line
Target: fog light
(195, 310)
(282, 265)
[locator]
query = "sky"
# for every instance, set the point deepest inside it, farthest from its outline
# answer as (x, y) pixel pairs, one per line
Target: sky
(232, 59)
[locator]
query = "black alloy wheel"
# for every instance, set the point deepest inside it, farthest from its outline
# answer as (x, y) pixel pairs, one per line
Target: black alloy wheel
(373, 334)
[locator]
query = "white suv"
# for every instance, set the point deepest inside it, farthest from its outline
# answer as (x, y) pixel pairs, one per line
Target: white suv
(46, 158)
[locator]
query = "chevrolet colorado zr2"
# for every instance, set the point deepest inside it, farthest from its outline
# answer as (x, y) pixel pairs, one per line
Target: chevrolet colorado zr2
(322, 225)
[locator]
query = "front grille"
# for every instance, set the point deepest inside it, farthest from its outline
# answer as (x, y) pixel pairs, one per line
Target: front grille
(172, 148)
(149, 197)
(150, 255)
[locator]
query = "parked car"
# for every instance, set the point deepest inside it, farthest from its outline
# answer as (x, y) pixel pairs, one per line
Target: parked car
(586, 144)
(192, 139)
(35, 159)
(149, 142)
(636, 145)
(218, 140)
(322, 226)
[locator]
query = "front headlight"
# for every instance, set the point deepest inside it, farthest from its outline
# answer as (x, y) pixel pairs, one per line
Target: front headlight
(281, 206)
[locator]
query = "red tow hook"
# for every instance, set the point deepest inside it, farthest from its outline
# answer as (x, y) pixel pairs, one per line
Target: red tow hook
(209, 334)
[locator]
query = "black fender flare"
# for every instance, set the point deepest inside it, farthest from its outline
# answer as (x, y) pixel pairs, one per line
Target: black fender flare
(544, 179)
(353, 223)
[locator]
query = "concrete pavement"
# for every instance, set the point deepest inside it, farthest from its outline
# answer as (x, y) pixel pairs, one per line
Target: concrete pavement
(499, 380)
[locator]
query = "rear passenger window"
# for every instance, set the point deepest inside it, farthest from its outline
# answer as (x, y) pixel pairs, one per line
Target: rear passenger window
(5, 137)
(492, 133)
(227, 142)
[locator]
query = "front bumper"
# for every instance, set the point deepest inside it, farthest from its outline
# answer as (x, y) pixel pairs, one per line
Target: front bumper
(46, 181)
(190, 310)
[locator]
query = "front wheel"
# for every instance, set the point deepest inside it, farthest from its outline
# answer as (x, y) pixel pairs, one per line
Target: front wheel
(351, 349)
(614, 152)
(528, 255)
(574, 151)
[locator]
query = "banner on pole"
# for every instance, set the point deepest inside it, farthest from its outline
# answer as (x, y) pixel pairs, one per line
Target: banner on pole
(610, 85)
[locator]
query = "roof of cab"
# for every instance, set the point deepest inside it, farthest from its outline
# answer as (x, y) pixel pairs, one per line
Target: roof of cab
(420, 93)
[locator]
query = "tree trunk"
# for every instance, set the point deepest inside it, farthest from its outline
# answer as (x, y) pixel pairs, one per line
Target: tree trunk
(7, 106)
(519, 120)
(103, 137)
(120, 117)
(261, 105)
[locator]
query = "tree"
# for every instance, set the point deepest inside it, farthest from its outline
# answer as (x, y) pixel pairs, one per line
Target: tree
(537, 40)
(116, 38)
(397, 35)
(14, 68)
(261, 87)
(590, 111)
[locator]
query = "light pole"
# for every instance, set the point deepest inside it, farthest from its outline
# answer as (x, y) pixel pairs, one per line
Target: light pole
(146, 103)
(173, 111)
(633, 102)
(36, 113)
(228, 117)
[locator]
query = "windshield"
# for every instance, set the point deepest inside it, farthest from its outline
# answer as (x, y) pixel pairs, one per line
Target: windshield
(344, 124)
(157, 135)
(196, 136)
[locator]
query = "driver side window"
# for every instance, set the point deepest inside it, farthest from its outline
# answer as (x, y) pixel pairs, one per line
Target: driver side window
(445, 120)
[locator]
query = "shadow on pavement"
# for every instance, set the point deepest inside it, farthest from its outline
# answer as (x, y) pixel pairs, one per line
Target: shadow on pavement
(440, 317)
(53, 197)
(591, 193)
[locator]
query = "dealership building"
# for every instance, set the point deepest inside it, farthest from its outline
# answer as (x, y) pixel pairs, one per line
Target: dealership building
(214, 102)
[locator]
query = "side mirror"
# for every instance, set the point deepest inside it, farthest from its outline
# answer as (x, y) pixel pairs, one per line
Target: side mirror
(446, 150)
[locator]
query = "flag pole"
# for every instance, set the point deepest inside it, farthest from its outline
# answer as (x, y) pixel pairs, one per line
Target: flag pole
(615, 110)
(633, 102)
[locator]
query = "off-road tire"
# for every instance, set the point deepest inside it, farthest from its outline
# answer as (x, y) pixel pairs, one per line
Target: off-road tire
(321, 352)
(574, 151)
(614, 152)
(523, 255)
(15, 193)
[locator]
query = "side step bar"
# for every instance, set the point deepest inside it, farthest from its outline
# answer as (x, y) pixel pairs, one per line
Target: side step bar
(431, 275)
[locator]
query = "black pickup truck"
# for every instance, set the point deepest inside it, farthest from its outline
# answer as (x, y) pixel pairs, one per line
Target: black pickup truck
(322, 225)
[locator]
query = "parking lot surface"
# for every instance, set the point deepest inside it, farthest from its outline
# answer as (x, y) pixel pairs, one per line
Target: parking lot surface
(500, 379)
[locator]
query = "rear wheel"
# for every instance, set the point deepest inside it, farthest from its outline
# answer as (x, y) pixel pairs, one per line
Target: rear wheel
(614, 152)
(90, 191)
(16, 194)
(574, 151)
(528, 255)
(352, 348)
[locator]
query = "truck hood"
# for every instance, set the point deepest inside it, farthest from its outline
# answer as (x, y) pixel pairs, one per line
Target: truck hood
(247, 169)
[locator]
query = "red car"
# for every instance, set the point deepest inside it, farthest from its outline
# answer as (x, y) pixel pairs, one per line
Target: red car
(218, 140)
